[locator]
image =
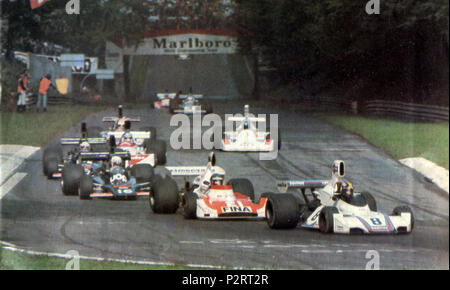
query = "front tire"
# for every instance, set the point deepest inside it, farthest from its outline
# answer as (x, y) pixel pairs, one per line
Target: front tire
(244, 186)
(71, 176)
(326, 220)
(401, 209)
(189, 203)
(282, 211)
(370, 200)
(86, 186)
(164, 196)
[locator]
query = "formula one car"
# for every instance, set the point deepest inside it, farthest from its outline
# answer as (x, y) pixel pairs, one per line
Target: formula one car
(334, 208)
(247, 137)
(164, 100)
(109, 175)
(208, 197)
(53, 158)
(189, 104)
(142, 144)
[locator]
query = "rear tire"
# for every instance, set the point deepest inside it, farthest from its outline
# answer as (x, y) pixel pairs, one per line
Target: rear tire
(326, 220)
(400, 209)
(86, 186)
(244, 186)
(158, 147)
(282, 211)
(50, 153)
(50, 166)
(370, 200)
(164, 196)
(143, 173)
(71, 176)
(189, 203)
(152, 132)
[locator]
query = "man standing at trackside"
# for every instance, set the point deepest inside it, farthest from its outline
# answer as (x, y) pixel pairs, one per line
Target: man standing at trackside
(44, 84)
(22, 89)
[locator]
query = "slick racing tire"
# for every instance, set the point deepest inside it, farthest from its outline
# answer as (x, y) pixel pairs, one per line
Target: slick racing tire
(71, 176)
(244, 186)
(208, 108)
(158, 147)
(282, 211)
(152, 131)
(50, 166)
(189, 203)
(173, 105)
(400, 209)
(163, 197)
(54, 152)
(86, 187)
(370, 200)
(143, 173)
(326, 220)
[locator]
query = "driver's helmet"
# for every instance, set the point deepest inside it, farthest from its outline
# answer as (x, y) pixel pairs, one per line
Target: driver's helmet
(85, 147)
(127, 137)
(121, 124)
(347, 190)
(116, 161)
(246, 125)
(217, 179)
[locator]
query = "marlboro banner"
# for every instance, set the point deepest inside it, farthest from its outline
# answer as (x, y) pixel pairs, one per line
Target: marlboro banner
(176, 42)
(37, 3)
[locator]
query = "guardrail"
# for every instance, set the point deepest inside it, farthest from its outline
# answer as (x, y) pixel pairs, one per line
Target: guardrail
(406, 110)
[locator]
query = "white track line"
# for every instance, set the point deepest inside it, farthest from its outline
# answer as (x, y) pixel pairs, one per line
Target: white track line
(14, 248)
(11, 183)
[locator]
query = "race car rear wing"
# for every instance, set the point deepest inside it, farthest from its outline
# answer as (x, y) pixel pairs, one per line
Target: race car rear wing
(135, 134)
(115, 119)
(77, 141)
(166, 95)
(103, 156)
(250, 119)
(191, 95)
(284, 185)
(186, 170)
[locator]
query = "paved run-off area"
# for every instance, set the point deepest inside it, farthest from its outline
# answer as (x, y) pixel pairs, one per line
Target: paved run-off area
(36, 216)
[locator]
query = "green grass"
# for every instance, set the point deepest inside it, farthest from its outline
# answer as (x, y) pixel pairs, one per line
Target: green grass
(398, 138)
(10, 260)
(37, 129)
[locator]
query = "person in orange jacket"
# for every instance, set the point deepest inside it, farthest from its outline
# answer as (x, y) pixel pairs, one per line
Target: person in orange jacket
(44, 85)
(22, 89)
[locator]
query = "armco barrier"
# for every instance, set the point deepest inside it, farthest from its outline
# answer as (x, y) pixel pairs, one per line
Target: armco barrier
(408, 110)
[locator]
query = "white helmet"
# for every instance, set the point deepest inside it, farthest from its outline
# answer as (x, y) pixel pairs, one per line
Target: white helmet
(217, 175)
(116, 161)
(85, 147)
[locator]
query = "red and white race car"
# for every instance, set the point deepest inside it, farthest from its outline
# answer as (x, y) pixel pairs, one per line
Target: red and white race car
(208, 197)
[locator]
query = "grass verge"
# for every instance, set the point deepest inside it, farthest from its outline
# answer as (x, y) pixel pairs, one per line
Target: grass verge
(37, 129)
(400, 139)
(10, 260)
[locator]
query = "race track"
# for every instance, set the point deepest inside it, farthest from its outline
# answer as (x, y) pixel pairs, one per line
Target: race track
(36, 216)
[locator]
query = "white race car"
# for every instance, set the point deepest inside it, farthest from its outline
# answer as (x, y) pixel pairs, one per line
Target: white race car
(247, 137)
(333, 207)
(208, 197)
(142, 144)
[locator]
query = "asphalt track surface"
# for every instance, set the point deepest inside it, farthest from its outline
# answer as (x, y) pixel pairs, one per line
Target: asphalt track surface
(36, 216)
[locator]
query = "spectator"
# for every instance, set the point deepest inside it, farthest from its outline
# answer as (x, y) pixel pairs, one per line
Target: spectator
(22, 89)
(44, 85)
